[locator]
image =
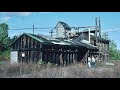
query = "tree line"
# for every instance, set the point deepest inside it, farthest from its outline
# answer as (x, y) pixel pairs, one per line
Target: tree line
(5, 41)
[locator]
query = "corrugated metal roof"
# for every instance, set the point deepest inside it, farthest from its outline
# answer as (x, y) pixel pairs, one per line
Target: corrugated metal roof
(48, 40)
(48, 37)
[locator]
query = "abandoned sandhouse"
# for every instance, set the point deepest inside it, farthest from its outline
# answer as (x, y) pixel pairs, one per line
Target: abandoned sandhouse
(67, 47)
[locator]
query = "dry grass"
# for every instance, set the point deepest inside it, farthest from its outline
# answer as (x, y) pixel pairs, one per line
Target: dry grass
(44, 71)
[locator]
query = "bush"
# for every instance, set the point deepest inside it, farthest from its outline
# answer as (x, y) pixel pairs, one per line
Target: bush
(5, 55)
(40, 62)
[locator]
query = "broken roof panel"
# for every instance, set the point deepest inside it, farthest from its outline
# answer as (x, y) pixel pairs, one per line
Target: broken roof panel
(48, 37)
(89, 46)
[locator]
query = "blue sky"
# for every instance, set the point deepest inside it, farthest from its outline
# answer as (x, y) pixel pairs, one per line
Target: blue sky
(16, 20)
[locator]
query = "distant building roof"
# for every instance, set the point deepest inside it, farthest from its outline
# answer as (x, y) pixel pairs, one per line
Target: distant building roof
(65, 25)
(82, 35)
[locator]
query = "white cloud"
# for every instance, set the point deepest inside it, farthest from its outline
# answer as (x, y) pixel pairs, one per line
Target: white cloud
(11, 14)
(5, 18)
(24, 13)
(112, 30)
(45, 12)
(16, 13)
(8, 15)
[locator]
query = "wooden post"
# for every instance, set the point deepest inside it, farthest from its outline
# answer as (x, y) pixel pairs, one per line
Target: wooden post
(61, 59)
(28, 43)
(51, 32)
(33, 29)
(69, 59)
(47, 57)
(58, 58)
(66, 59)
(89, 34)
(55, 58)
(72, 57)
(21, 42)
(51, 57)
(18, 44)
(42, 55)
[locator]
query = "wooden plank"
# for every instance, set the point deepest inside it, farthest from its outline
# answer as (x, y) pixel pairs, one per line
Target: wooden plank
(66, 59)
(31, 42)
(72, 57)
(18, 44)
(69, 58)
(24, 40)
(64, 62)
(32, 56)
(15, 45)
(61, 59)
(28, 42)
(47, 58)
(51, 58)
(55, 58)
(28, 56)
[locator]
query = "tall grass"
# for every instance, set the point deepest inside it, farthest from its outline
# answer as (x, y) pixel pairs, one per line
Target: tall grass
(46, 71)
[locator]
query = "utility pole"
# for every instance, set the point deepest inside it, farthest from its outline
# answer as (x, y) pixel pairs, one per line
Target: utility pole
(33, 29)
(96, 29)
(99, 27)
(97, 41)
(51, 32)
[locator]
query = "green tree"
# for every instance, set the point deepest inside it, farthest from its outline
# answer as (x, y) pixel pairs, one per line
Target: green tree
(114, 53)
(4, 39)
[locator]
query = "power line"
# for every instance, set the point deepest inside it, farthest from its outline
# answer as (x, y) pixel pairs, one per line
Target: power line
(48, 28)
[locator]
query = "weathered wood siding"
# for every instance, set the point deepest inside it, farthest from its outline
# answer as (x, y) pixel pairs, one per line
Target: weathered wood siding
(29, 46)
